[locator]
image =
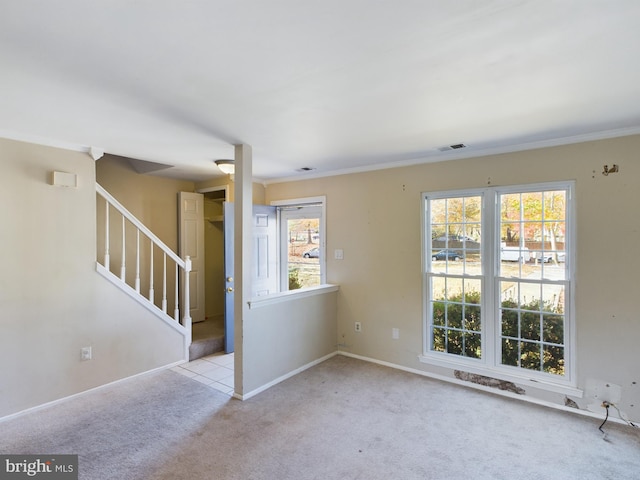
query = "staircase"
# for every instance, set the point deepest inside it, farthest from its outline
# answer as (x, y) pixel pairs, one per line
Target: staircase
(136, 261)
(142, 262)
(208, 338)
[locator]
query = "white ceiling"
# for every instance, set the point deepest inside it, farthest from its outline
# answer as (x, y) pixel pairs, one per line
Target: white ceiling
(330, 84)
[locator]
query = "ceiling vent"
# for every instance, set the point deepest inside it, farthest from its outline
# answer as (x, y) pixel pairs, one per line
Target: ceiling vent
(452, 147)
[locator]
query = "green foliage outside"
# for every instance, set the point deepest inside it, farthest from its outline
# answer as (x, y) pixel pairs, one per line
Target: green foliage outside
(532, 334)
(540, 342)
(457, 325)
(294, 279)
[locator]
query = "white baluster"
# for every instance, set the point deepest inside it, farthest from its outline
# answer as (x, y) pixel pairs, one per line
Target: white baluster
(186, 318)
(106, 237)
(151, 273)
(164, 284)
(176, 311)
(137, 261)
(123, 267)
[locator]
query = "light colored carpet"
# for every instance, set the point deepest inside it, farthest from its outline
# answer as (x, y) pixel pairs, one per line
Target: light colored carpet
(342, 419)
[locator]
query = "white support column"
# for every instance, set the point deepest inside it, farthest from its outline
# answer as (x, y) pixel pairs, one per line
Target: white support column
(243, 199)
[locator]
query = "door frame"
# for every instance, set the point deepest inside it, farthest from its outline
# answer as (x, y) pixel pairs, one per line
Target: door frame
(229, 333)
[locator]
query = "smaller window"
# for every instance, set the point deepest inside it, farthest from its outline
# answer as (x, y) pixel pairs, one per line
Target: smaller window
(302, 257)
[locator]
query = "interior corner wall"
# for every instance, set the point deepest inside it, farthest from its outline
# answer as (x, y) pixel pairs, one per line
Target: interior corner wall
(54, 302)
(375, 218)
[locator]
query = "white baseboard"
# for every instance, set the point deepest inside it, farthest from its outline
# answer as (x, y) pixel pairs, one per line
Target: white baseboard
(283, 377)
(495, 391)
(85, 392)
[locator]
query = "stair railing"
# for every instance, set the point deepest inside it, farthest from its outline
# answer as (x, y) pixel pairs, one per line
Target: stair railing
(145, 246)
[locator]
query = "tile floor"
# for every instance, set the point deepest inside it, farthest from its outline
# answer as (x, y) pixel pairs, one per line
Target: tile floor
(214, 370)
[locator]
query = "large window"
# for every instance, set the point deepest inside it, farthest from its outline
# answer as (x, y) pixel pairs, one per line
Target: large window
(498, 284)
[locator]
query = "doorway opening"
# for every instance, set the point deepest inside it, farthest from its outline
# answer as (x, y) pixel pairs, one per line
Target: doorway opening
(208, 334)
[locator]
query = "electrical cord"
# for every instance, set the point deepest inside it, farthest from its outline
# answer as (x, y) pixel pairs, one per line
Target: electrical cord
(605, 405)
(629, 422)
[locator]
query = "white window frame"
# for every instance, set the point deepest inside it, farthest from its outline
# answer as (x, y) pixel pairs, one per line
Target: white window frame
(312, 205)
(489, 365)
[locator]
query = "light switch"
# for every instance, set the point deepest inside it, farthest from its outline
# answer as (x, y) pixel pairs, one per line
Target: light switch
(338, 254)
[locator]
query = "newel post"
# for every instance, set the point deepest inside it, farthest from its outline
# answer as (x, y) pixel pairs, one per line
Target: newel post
(186, 319)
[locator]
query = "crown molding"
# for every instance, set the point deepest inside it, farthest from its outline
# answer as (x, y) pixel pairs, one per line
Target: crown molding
(469, 152)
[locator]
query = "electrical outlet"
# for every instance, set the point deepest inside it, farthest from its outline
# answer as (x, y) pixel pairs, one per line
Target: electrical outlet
(85, 353)
(358, 327)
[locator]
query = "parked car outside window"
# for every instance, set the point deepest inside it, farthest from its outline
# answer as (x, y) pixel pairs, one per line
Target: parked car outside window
(447, 254)
(313, 253)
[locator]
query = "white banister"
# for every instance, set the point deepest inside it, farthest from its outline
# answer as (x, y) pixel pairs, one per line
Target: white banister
(138, 224)
(186, 321)
(187, 270)
(151, 292)
(123, 266)
(176, 311)
(164, 283)
(138, 261)
(167, 253)
(106, 236)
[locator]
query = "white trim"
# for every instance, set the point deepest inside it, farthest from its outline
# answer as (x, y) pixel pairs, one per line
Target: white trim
(490, 363)
(146, 304)
(499, 373)
(91, 390)
(291, 295)
(216, 189)
(313, 206)
(301, 369)
(299, 201)
(495, 391)
(44, 141)
(435, 155)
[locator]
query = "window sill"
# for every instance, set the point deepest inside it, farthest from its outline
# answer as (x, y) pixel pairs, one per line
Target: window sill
(498, 373)
(281, 297)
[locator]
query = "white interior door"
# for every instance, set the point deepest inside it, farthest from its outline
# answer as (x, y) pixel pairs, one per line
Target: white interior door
(265, 251)
(191, 243)
(265, 263)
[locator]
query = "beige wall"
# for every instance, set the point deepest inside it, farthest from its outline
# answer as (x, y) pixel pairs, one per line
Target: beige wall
(283, 337)
(152, 199)
(53, 301)
(375, 218)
